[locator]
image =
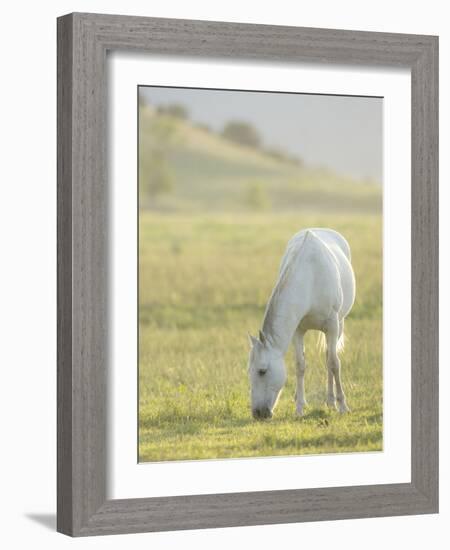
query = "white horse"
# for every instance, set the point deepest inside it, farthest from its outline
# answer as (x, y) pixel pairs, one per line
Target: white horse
(315, 290)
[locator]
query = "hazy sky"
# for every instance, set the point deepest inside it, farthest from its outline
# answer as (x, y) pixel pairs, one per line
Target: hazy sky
(342, 133)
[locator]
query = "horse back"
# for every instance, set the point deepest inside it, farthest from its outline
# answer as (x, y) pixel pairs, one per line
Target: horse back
(325, 254)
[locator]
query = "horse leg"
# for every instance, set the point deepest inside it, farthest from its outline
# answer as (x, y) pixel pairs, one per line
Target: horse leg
(331, 399)
(300, 364)
(334, 368)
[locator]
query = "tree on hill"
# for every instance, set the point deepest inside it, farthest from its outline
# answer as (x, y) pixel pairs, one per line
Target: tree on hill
(155, 174)
(142, 101)
(283, 156)
(159, 180)
(242, 133)
(177, 110)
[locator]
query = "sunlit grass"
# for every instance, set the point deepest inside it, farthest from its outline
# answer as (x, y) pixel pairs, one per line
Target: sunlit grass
(204, 282)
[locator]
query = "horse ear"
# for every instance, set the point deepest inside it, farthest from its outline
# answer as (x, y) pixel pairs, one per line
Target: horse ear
(262, 338)
(252, 340)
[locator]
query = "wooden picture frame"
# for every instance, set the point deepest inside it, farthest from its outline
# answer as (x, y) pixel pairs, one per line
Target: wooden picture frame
(83, 41)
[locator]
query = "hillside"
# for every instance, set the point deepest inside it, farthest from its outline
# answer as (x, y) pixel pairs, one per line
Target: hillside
(191, 168)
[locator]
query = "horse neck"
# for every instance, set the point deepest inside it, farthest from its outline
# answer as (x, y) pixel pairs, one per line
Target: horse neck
(284, 312)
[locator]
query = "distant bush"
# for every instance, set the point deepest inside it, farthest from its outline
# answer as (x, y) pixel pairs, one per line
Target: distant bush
(156, 176)
(283, 156)
(159, 180)
(142, 101)
(276, 154)
(295, 160)
(242, 133)
(174, 109)
(256, 197)
(204, 127)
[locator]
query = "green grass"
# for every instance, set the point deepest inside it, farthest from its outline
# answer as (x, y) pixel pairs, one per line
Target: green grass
(204, 282)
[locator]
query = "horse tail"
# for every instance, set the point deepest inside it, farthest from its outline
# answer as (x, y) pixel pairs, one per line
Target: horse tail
(322, 340)
(341, 341)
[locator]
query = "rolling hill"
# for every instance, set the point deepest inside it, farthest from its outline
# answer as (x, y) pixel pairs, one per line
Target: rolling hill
(192, 169)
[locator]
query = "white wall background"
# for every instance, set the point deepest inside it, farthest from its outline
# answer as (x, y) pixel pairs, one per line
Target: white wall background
(28, 270)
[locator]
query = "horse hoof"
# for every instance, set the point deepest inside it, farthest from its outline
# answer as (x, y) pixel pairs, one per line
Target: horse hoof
(343, 409)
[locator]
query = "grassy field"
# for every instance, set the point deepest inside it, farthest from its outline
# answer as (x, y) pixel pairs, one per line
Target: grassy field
(204, 282)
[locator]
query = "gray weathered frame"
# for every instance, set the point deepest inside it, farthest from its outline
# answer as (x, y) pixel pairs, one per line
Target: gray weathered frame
(83, 41)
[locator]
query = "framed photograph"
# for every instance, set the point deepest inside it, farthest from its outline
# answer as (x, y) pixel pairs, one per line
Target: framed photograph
(247, 274)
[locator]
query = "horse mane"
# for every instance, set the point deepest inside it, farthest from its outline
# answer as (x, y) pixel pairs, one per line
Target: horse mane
(283, 278)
